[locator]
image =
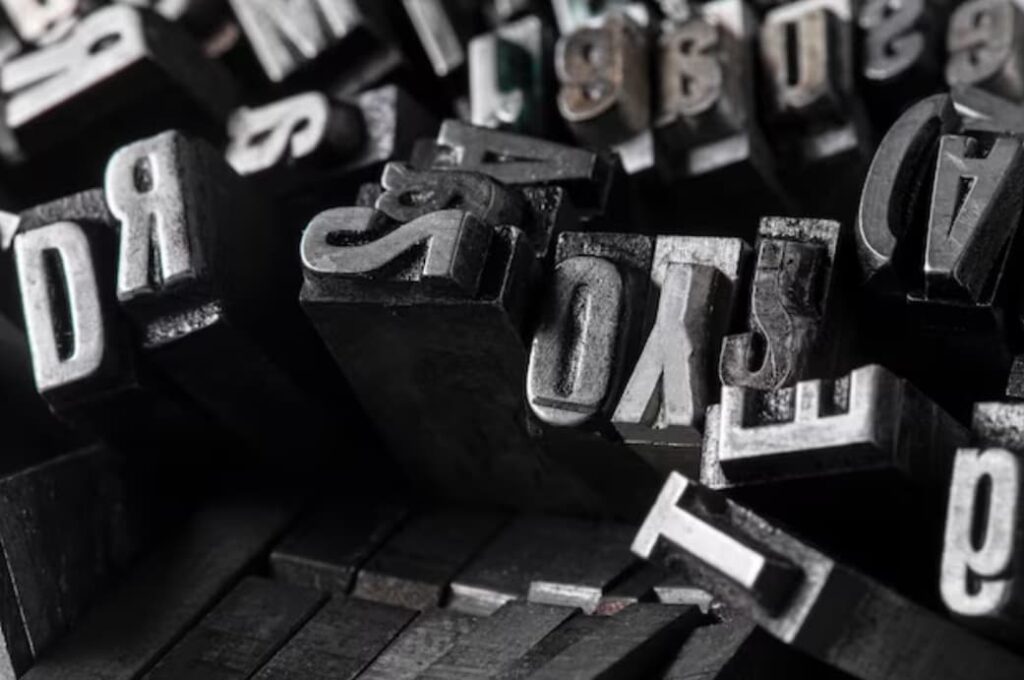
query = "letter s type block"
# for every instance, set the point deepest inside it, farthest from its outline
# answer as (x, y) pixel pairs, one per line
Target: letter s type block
(425, 319)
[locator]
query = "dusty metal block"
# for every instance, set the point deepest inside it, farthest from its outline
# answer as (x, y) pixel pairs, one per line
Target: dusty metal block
(436, 342)
(550, 560)
(207, 280)
(795, 323)
(738, 649)
(787, 587)
(694, 285)
(984, 39)
(936, 262)
(66, 528)
(869, 419)
(413, 569)
(338, 642)
(330, 545)
(167, 593)
(429, 637)
(706, 122)
(509, 84)
(115, 57)
(84, 363)
(980, 578)
(902, 46)
(315, 148)
(519, 160)
(603, 71)
(497, 642)
(587, 337)
(634, 643)
(240, 633)
(822, 133)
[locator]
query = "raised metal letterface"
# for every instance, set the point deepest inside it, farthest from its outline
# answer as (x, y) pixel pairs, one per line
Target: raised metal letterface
(936, 231)
(792, 316)
(604, 94)
(694, 283)
(289, 36)
(521, 160)
(980, 572)
(58, 90)
(979, 578)
(983, 41)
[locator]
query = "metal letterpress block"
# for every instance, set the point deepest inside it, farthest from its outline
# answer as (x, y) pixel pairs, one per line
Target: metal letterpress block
(981, 569)
(566, 635)
(694, 285)
(65, 529)
(101, 77)
(968, 236)
(314, 149)
(678, 588)
(497, 642)
(792, 590)
(706, 122)
(83, 360)
(587, 337)
(519, 160)
(509, 84)
(207, 280)
(240, 633)
(821, 131)
(824, 445)
(738, 649)
(936, 228)
(289, 133)
(541, 212)
(795, 323)
(634, 643)
(34, 433)
(166, 594)
(563, 561)
(332, 543)
(414, 567)
(605, 90)
(442, 28)
(983, 40)
(429, 637)
(901, 51)
(287, 37)
(433, 339)
(589, 327)
(868, 419)
(338, 642)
